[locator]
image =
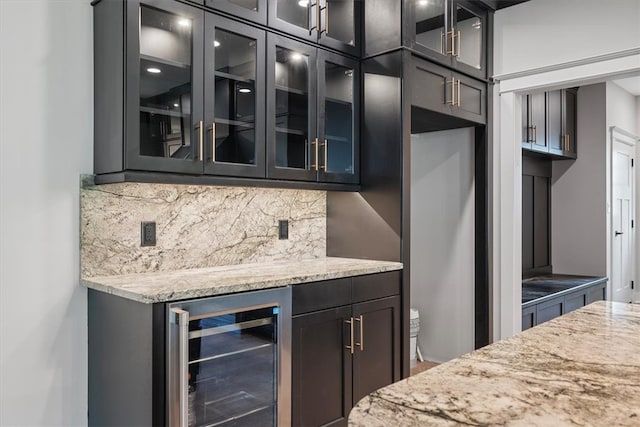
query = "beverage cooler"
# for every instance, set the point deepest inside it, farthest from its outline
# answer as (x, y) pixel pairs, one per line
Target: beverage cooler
(229, 360)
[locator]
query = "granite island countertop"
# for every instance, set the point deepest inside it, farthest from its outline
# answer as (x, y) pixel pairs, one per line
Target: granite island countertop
(164, 286)
(579, 369)
(542, 288)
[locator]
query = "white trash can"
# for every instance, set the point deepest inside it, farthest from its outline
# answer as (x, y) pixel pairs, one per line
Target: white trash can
(414, 328)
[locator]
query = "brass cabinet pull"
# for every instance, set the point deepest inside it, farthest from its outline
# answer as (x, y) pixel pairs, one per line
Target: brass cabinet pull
(316, 160)
(326, 18)
(457, 54)
(360, 320)
(452, 50)
(442, 37)
(318, 18)
(458, 91)
(453, 92)
(212, 129)
(325, 146)
(351, 346)
(200, 133)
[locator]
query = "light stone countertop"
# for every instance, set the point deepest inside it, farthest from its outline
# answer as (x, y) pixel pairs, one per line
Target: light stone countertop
(581, 369)
(202, 282)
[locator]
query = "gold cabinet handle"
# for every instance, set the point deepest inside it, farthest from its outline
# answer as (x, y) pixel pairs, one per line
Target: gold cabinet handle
(453, 92)
(351, 345)
(314, 165)
(326, 17)
(458, 84)
(360, 320)
(200, 128)
(212, 129)
(318, 18)
(442, 42)
(452, 49)
(457, 54)
(325, 149)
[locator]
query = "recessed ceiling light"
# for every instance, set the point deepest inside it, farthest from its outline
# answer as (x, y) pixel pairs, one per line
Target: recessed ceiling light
(176, 105)
(154, 70)
(296, 56)
(216, 43)
(244, 90)
(303, 3)
(184, 22)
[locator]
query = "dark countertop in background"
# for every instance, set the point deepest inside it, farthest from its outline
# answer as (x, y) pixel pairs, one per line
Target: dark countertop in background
(540, 288)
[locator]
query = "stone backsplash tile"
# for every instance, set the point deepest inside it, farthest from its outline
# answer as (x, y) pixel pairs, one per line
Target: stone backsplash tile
(196, 226)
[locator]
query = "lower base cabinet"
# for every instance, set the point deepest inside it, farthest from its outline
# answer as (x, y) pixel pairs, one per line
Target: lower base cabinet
(345, 345)
(535, 314)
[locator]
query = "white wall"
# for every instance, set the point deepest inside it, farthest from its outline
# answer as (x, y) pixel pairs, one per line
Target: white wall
(539, 33)
(621, 108)
(578, 193)
(442, 241)
(46, 142)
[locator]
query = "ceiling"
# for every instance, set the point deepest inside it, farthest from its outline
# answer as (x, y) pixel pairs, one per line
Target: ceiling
(630, 84)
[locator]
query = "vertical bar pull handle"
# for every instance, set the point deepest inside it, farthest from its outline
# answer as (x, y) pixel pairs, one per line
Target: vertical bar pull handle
(568, 142)
(318, 17)
(201, 136)
(351, 346)
(212, 129)
(457, 54)
(309, 20)
(458, 84)
(442, 42)
(182, 320)
(360, 320)
(326, 17)
(325, 149)
(316, 159)
(452, 49)
(453, 92)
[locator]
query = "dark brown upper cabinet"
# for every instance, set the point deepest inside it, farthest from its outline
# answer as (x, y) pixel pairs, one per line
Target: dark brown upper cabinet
(534, 111)
(451, 32)
(331, 23)
(444, 91)
(312, 123)
(253, 10)
(549, 123)
(189, 98)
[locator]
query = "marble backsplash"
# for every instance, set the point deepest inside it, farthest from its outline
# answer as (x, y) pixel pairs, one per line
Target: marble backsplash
(196, 226)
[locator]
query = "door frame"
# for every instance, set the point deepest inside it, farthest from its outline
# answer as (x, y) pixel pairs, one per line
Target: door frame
(617, 134)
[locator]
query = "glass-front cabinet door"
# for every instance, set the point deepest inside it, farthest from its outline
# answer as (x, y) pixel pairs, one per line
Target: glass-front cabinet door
(333, 23)
(253, 10)
(234, 90)
(292, 142)
(452, 32)
(337, 119)
(164, 87)
(469, 37)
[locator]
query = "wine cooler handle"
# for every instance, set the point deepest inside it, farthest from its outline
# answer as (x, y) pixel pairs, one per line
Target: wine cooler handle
(182, 320)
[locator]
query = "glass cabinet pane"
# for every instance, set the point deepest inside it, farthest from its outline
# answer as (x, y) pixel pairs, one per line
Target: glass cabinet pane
(470, 37)
(430, 24)
(247, 4)
(295, 12)
(233, 369)
(292, 108)
(339, 119)
(339, 20)
(165, 85)
(235, 98)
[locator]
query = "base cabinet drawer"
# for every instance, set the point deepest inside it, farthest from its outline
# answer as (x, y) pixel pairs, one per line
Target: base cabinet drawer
(528, 318)
(550, 309)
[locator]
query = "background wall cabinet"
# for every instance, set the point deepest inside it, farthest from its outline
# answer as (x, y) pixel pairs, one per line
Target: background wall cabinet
(346, 344)
(549, 123)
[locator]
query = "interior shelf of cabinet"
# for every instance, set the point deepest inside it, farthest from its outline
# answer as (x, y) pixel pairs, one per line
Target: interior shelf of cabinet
(160, 111)
(339, 101)
(333, 138)
(290, 131)
(234, 407)
(291, 90)
(232, 353)
(164, 61)
(234, 77)
(244, 124)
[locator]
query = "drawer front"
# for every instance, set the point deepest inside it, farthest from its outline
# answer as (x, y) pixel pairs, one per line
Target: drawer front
(375, 286)
(597, 293)
(528, 318)
(550, 309)
(316, 296)
(574, 301)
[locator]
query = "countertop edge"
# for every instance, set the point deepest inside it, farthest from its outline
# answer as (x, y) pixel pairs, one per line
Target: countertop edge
(238, 287)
